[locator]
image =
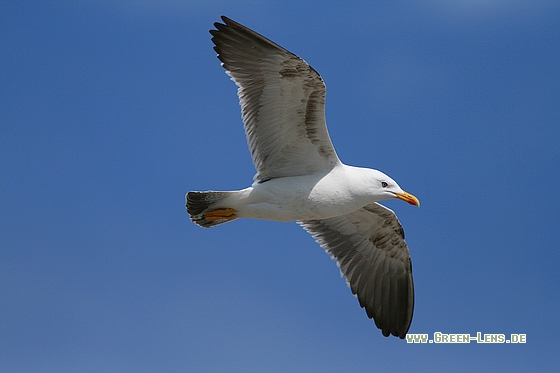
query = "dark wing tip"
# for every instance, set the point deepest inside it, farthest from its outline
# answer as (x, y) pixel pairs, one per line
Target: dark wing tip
(220, 26)
(235, 31)
(228, 23)
(226, 20)
(401, 306)
(386, 294)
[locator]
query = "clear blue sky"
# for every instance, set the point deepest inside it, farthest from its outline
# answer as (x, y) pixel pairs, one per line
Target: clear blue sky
(111, 111)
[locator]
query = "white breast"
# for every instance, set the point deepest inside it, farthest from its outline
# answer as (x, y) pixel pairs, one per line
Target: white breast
(316, 196)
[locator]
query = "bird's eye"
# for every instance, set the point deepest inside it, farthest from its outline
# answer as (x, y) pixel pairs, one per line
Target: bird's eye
(384, 184)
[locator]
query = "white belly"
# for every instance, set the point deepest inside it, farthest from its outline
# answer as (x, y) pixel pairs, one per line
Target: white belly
(297, 198)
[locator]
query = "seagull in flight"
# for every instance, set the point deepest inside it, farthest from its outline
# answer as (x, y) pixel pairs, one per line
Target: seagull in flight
(300, 177)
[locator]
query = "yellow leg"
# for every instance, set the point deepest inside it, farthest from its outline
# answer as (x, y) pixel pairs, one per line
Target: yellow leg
(219, 214)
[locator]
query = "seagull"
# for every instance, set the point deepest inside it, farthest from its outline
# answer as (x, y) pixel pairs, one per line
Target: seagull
(300, 177)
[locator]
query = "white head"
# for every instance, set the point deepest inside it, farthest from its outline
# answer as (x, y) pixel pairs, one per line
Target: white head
(382, 187)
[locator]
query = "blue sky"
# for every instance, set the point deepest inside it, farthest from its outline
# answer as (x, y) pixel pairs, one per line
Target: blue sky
(111, 111)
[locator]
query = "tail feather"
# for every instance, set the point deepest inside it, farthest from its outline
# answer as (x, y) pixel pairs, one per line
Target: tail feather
(199, 203)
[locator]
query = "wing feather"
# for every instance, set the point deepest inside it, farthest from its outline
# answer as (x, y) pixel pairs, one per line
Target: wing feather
(282, 103)
(369, 247)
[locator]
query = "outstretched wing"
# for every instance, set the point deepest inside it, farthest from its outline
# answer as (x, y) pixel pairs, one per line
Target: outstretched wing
(369, 248)
(282, 103)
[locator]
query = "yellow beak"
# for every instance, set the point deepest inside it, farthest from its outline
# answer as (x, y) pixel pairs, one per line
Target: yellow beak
(407, 197)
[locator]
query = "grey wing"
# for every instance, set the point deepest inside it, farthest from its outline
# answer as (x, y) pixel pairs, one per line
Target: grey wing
(282, 103)
(369, 248)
